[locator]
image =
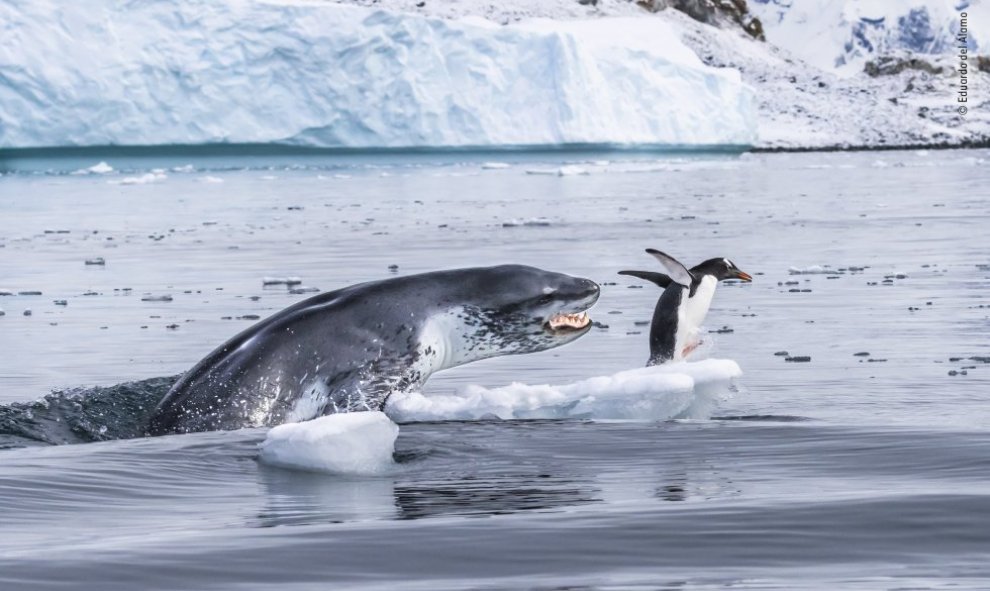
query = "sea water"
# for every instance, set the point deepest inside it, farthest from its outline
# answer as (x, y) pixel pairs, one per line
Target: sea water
(864, 467)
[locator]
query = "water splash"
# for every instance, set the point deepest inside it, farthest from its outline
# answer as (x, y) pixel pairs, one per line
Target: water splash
(83, 415)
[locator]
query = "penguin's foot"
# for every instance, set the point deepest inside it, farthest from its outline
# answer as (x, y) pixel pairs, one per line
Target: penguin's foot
(688, 349)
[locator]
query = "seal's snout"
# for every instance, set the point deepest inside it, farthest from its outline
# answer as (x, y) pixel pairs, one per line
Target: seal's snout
(586, 288)
(590, 286)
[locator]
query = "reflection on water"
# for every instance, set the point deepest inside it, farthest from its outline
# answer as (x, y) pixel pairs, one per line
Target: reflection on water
(303, 498)
(500, 495)
(476, 469)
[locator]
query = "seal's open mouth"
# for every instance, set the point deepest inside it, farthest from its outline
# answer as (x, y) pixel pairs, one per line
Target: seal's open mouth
(566, 322)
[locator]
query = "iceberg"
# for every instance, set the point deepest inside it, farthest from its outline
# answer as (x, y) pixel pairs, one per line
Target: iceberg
(337, 76)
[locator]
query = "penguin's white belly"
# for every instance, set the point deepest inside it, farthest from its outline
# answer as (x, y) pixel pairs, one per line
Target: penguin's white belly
(691, 314)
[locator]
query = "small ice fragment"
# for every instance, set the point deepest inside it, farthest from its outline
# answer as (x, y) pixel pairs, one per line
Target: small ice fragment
(96, 261)
(798, 359)
(281, 280)
(161, 298)
(61, 303)
(494, 165)
(347, 443)
(812, 270)
(571, 170)
(6, 292)
(27, 312)
(185, 168)
(99, 168)
(30, 292)
(302, 290)
(531, 222)
(210, 179)
(144, 179)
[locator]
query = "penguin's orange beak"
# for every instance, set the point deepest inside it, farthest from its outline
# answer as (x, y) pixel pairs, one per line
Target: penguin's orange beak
(742, 275)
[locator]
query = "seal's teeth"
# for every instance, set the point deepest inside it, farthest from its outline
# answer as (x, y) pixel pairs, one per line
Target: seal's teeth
(576, 320)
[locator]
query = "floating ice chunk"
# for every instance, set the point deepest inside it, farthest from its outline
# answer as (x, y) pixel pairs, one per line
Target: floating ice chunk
(99, 168)
(281, 280)
(348, 443)
(96, 261)
(571, 170)
(812, 270)
(144, 179)
(6, 292)
(160, 298)
(532, 222)
(685, 389)
(210, 179)
(184, 168)
(566, 170)
(495, 165)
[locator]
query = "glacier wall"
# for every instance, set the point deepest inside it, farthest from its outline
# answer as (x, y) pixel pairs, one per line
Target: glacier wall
(159, 72)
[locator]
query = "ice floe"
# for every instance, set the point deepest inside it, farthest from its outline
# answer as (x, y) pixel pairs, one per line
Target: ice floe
(349, 443)
(686, 389)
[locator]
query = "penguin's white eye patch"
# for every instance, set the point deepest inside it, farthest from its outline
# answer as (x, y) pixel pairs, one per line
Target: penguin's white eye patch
(729, 263)
(548, 290)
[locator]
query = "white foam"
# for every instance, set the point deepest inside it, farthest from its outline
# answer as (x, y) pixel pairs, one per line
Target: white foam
(348, 443)
(675, 390)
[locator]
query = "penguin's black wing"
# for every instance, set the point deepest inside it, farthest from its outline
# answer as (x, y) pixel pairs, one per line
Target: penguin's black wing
(658, 278)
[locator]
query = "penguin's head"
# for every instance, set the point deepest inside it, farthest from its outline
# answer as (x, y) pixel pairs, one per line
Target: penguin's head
(721, 269)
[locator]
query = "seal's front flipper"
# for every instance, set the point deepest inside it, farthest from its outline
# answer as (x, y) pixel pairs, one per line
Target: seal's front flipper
(678, 272)
(658, 278)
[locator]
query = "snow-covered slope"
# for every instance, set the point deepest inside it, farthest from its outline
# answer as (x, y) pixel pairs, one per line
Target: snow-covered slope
(801, 106)
(843, 34)
(331, 75)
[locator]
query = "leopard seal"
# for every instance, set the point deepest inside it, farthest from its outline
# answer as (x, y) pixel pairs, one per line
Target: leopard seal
(349, 349)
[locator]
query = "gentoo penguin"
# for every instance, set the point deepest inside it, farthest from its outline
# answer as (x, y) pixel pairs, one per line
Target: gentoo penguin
(682, 307)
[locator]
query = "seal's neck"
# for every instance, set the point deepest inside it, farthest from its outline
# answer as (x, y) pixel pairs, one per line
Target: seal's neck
(446, 341)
